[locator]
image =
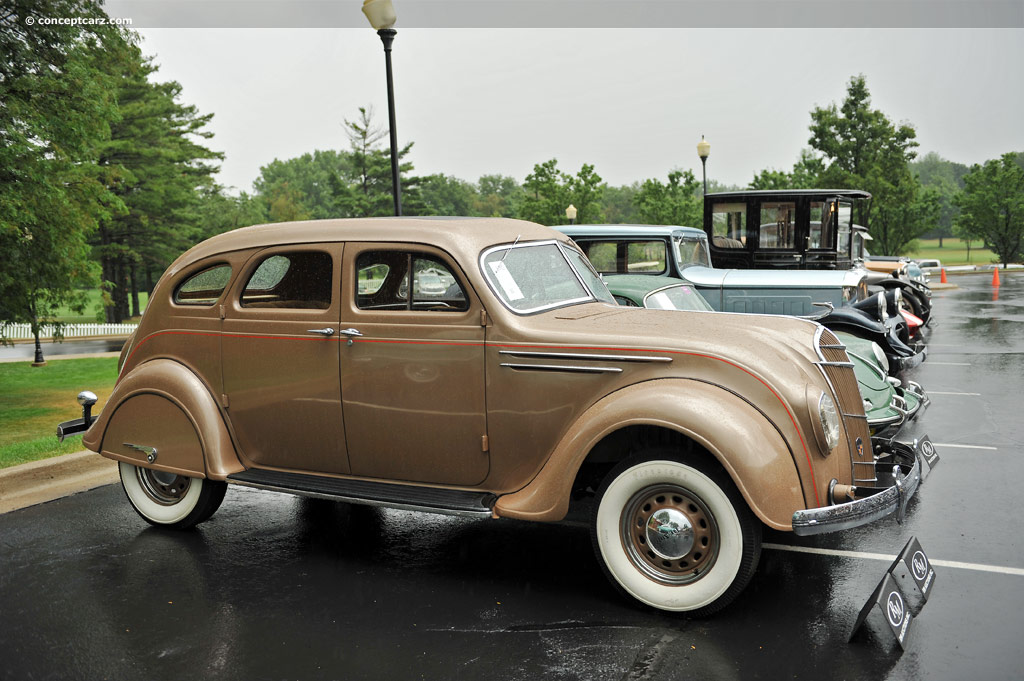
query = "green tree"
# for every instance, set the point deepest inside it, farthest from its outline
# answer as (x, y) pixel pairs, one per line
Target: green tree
(619, 204)
(321, 178)
(220, 212)
(497, 196)
(947, 178)
(447, 195)
(677, 202)
(158, 166)
(371, 170)
(56, 108)
(860, 148)
(992, 207)
(548, 191)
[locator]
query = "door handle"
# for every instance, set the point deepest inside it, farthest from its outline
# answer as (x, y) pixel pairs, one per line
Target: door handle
(323, 332)
(351, 333)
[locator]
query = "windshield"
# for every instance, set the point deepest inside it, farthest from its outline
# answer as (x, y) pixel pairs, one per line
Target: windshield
(538, 276)
(682, 297)
(691, 250)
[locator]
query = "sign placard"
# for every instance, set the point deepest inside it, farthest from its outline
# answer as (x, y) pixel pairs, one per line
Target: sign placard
(913, 570)
(887, 600)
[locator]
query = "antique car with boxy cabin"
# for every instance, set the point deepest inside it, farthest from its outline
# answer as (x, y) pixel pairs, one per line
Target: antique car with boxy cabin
(802, 229)
(481, 367)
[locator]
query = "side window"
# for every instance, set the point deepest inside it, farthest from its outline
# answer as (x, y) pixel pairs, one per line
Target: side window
(601, 254)
(729, 225)
(626, 257)
(299, 280)
(384, 279)
(822, 225)
(646, 257)
(777, 228)
(203, 288)
(844, 220)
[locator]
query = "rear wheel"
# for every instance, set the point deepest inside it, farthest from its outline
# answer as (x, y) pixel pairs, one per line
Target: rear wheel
(673, 532)
(170, 499)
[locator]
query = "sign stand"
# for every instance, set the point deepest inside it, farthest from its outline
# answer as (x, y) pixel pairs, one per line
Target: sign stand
(912, 573)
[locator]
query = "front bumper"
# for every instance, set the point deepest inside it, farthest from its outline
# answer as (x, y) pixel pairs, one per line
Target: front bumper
(901, 463)
(904, 410)
(904, 363)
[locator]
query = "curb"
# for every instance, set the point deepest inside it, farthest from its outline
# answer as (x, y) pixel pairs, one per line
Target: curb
(39, 481)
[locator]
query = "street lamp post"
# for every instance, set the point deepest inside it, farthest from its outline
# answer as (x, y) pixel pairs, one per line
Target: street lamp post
(570, 214)
(704, 150)
(382, 17)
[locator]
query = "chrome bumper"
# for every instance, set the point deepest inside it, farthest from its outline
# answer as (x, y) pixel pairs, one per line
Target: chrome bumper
(909, 463)
(904, 363)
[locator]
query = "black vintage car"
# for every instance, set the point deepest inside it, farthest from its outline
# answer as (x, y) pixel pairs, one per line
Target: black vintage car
(806, 229)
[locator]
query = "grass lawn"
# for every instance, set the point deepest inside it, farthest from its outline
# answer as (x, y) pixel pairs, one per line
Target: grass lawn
(33, 400)
(93, 312)
(954, 252)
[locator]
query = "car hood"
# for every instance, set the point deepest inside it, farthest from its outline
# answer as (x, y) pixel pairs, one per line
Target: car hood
(767, 343)
(746, 279)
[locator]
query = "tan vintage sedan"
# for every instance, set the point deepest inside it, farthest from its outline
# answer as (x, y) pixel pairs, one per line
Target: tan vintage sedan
(480, 367)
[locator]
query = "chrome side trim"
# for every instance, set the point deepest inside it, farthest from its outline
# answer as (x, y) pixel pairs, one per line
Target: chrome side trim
(577, 355)
(835, 364)
(577, 369)
(862, 511)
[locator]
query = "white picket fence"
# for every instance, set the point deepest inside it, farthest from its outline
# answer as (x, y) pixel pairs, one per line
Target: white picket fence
(24, 331)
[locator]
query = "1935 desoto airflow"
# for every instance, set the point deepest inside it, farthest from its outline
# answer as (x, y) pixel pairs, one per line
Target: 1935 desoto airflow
(480, 367)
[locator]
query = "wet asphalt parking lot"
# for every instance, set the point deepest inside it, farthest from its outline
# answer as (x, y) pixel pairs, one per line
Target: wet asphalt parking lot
(277, 587)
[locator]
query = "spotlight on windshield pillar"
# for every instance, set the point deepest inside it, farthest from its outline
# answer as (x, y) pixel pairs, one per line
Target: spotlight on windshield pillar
(704, 150)
(570, 214)
(382, 17)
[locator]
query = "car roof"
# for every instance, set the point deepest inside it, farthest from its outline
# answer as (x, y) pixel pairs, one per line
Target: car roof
(631, 231)
(462, 237)
(762, 193)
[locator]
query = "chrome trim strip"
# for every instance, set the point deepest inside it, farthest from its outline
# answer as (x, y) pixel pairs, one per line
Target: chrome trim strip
(578, 355)
(860, 512)
(576, 369)
(835, 364)
(487, 513)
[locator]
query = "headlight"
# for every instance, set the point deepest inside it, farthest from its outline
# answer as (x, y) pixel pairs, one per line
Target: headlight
(883, 312)
(880, 357)
(897, 299)
(824, 418)
(829, 421)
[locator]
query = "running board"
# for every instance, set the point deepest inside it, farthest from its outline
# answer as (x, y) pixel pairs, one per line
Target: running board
(408, 497)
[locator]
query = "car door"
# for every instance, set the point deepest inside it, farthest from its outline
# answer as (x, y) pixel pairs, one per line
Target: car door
(413, 374)
(280, 359)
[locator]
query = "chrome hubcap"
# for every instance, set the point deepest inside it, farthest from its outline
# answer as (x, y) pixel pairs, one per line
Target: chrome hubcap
(165, 489)
(669, 534)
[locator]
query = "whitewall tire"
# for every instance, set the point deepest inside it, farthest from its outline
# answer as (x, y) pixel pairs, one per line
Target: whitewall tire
(673, 532)
(170, 500)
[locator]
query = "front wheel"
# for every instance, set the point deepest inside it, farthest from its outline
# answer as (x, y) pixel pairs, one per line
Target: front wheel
(673, 532)
(168, 499)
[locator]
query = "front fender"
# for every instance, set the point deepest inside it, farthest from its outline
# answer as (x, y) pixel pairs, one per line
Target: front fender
(739, 436)
(161, 404)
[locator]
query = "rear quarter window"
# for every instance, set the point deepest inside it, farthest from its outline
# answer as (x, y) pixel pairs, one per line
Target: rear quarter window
(203, 288)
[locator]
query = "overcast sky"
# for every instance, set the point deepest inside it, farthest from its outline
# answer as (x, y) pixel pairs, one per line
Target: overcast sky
(632, 102)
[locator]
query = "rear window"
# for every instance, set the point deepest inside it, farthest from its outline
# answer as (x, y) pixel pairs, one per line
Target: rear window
(203, 288)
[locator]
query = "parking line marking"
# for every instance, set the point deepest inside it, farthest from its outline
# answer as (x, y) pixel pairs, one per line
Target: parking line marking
(977, 567)
(946, 444)
(937, 392)
(951, 364)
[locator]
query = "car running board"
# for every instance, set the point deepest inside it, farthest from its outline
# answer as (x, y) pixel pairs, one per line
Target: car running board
(408, 497)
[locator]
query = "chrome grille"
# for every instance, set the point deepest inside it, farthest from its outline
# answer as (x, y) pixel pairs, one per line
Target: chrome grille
(838, 370)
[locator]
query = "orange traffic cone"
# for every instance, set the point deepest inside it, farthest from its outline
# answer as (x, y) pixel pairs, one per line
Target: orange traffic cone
(942, 279)
(995, 277)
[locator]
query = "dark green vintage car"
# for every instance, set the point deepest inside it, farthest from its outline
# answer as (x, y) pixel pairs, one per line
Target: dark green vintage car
(891, 408)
